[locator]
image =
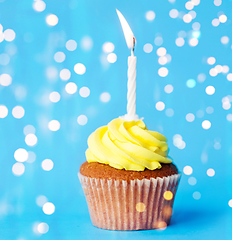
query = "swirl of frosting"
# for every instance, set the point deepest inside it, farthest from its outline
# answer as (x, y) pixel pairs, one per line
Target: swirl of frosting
(128, 145)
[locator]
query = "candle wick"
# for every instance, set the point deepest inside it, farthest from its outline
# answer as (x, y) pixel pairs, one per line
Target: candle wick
(133, 47)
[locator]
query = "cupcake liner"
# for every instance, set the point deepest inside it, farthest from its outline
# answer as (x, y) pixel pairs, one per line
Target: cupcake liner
(137, 204)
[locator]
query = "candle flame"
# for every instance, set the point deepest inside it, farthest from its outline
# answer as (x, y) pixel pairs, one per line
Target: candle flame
(126, 30)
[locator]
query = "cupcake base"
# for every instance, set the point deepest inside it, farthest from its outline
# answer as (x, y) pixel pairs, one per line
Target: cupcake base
(130, 205)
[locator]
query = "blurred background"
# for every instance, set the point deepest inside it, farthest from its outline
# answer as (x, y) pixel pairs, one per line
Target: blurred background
(63, 73)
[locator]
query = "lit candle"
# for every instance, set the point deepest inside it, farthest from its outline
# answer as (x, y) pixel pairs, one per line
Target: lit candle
(131, 73)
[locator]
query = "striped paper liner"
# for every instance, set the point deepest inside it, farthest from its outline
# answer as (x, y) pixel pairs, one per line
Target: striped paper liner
(138, 204)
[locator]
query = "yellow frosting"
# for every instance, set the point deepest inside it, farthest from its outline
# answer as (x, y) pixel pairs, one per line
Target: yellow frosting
(128, 145)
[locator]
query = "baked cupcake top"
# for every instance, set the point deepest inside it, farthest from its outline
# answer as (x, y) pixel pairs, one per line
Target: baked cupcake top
(127, 145)
(104, 171)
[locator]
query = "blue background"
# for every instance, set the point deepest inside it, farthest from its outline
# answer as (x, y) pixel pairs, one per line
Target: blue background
(34, 70)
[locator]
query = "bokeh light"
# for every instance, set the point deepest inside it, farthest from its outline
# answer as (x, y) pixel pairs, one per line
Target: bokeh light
(168, 195)
(80, 68)
(173, 13)
(193, 14)
(191, 83)
(225, 69)
(169, 112)
(105, 97)
(210, 172)
(211, 60)
(162, 60)
(178, 141)
(5, 79)
(196, 26)
(150, 15)
(42, 228)
(48, 208)
(140, 207)
(18, 112)
(180, 42)
(201, 77)
(215, 22)
(230, 203)
(229, 117)
(54, 125)
(65, 74)
(147, 48)
(31, 139)
(195, 2)
(71, 45)
(187, 170)
(82, 120)
(108, 47)
(229, 77)
(9, 35)
(190, 117)
(218, 68)
(18, 169)
(161, 225)
(223, 18)
(59, 57)
(29, 129)
(41, 200)
(224, 39)
(213, 72)
(189, 5)
(168, 88)
(209, 110)
(187, 18)
(3, 111)
(21, 155)
(217, 2)
(54, 97)
(206, 124)
(84, 92)
(193, 42)
(226, 105)
(196, 34)
(71, 88)
(47, 164)
(210, 90)
(163, 72)
(158, 41)
(112, 57)
(52, 19)
(161, 51)
(196, 195)
(39, 6)
(160, 106)
(192, 181)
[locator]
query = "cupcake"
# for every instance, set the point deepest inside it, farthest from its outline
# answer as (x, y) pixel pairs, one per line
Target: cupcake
(128, 180)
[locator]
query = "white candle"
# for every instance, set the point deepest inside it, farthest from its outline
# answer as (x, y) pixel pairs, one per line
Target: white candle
(131, 84)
